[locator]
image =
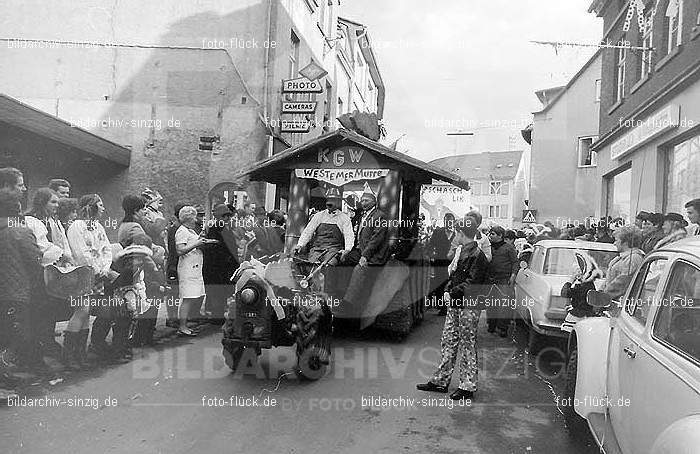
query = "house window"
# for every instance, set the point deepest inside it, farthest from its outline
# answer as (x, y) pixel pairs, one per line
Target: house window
(597, 90)
(495, 211)
(586, 156)
(293, 55)
(496, 188)
(673, 24)
(504, 212)
(476, 188)
(647, 44)
(620, 76)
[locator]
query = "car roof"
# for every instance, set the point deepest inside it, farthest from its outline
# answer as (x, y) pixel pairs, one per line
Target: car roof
(572, 244)
(689, 245)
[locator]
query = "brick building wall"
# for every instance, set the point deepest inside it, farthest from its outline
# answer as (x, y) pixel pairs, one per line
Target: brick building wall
(665, 70)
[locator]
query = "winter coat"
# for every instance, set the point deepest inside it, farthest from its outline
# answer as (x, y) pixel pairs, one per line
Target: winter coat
(672, 237)
(21, 273)
(620, 272)
(504, 262)
(468, 279)
(651, 240)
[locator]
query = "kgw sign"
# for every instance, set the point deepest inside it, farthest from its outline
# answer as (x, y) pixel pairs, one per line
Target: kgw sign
(301, 85)
(299, 106)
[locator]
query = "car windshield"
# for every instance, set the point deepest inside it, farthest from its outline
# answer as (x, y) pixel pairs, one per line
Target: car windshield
(562, 261)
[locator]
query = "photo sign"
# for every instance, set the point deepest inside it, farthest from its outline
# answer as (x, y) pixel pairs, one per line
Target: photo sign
(301, 85)
(338, 177)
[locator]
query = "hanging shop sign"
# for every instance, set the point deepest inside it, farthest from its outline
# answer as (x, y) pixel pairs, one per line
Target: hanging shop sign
(299, 107)
(295, 126)
(339, 177)
(644, 130)
(301, 85)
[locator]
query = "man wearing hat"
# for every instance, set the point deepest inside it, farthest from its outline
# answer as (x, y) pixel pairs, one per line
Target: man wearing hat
(331, 230)
(372, 248)
(674, 228)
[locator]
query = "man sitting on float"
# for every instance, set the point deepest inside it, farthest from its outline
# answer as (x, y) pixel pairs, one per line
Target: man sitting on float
(328, 231)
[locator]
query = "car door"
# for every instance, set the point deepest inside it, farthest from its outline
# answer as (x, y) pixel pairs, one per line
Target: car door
(626, 337)
(531, 287)
(667, 364)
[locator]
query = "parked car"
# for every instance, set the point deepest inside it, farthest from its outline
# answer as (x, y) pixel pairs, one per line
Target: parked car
(538, 285)
(633, 378)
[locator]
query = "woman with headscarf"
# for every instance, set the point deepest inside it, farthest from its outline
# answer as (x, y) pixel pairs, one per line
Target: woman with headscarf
(53, 245)
(90, 247)
(674, 229)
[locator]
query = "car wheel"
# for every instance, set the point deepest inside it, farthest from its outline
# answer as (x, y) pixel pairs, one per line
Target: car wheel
(233, 357)
(575, 424)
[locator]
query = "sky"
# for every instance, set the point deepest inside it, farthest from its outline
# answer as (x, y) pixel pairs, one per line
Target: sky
(467, 65)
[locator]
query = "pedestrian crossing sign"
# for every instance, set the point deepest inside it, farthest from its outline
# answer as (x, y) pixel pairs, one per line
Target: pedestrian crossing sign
(529, 216)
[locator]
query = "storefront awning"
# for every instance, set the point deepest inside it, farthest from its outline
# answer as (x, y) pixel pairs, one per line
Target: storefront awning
(17, 114)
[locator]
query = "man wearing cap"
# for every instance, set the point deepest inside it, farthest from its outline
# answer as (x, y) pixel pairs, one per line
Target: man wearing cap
(331, 230)
(641, 216)
(692, 209)
(372, 248)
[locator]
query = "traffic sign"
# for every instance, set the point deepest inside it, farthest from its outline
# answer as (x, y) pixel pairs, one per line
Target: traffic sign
(299, 106)
(301, 85)
(529, 216)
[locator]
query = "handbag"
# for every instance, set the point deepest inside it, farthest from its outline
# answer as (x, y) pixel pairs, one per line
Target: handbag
(68, 282)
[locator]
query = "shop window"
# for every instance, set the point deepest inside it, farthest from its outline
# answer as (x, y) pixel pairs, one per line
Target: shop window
(618, 192)
(586, 156)
(682, 170)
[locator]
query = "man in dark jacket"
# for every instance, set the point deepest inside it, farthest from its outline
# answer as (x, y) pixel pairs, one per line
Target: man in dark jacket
(21, 283)
(652, 231)
(503, 269)
(438, 248)
(371, 250)
(462, 320)
(220, 262)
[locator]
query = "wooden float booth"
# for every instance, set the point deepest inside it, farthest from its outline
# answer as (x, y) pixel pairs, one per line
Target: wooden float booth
(344, 158)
